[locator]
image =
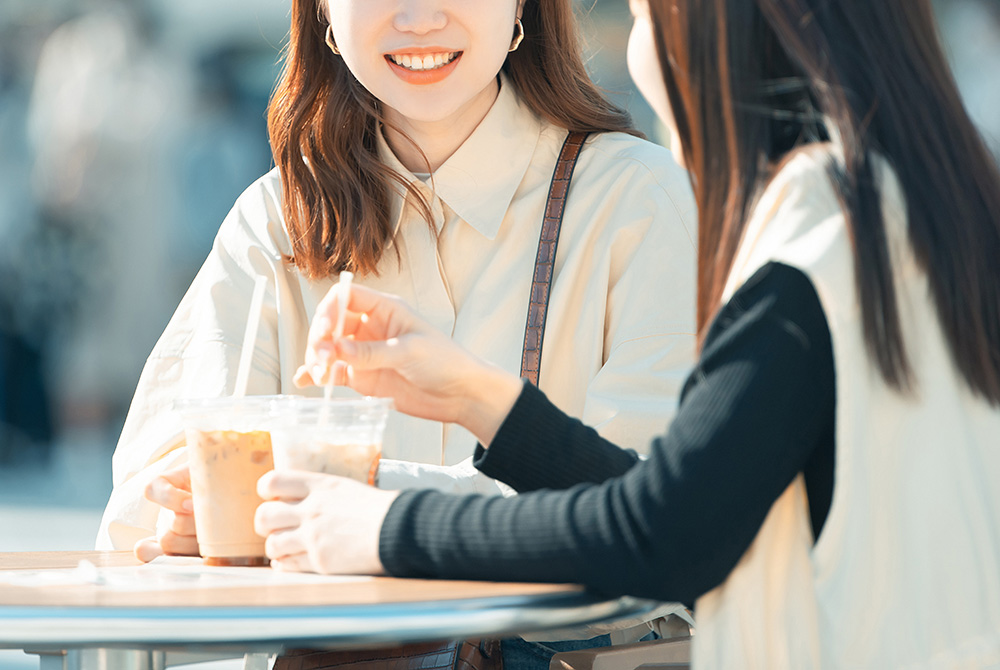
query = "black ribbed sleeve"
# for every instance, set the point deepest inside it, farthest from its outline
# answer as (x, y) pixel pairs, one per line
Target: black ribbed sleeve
(560, 454)
(757, 410)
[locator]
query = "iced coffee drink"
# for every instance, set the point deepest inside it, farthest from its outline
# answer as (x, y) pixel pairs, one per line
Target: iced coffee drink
(225, 467)
(229, 451)
(341, 437)
(320, 454)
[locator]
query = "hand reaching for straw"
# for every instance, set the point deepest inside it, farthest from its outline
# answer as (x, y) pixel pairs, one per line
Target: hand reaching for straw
(343, 297)
(319, 369)
(394, 353)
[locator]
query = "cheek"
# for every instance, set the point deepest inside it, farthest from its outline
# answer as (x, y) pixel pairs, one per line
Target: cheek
(354, 31)
(491, 32)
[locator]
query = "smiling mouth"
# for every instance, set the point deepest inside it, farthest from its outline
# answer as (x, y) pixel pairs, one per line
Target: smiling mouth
(423, 62)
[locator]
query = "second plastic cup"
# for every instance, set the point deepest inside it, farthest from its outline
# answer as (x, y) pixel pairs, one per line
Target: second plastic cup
(341, 436)
(230, 449)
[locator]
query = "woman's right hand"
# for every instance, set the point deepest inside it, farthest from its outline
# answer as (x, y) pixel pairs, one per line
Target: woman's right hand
(387, 350)
(172, 491)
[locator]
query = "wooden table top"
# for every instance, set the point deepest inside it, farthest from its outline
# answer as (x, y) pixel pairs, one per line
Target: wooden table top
(274, 589)
(49, 600)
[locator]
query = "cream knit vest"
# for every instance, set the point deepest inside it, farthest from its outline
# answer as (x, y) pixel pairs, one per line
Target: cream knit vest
(906, 573)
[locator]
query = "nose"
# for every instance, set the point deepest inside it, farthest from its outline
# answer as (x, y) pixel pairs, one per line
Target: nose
(419, 16)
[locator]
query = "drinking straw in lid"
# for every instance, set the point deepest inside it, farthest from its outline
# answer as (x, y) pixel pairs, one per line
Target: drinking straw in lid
(343, 297)
(250, 337)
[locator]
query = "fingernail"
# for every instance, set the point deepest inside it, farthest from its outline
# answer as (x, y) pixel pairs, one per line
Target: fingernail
(188, 505)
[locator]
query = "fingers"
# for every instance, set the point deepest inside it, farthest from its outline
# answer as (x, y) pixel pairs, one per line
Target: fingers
(319, 376)
(171, 490)
(294, 563)
(324, 320)
(285, 484)
(147, 549)
(323, 326)
(183, 524)
(303, 378)
(372, 355)
(179, 545)
(169, 543)
(370, 315)
(375, 326)
(360, 299)
(284, 543)
(179, 477)
(275, 516)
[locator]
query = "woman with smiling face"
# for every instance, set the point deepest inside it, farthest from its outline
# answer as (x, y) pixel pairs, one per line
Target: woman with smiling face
(415, 143)
(836, 451)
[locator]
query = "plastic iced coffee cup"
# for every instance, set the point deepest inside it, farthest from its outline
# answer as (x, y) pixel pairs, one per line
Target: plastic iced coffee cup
(229, 450)
(340, 436)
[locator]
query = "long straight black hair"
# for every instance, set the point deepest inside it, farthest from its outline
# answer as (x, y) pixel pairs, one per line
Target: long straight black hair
(752, 81)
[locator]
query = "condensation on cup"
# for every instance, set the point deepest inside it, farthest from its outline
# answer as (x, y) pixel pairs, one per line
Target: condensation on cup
(340, 436)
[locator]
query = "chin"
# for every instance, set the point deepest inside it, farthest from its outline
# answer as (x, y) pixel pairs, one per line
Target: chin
(432, 111)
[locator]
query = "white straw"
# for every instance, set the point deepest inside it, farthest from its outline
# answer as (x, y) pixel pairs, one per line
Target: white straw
(250, 337)
(343, 297)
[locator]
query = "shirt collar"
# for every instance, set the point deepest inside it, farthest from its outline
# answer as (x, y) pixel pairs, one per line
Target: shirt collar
(479, 180)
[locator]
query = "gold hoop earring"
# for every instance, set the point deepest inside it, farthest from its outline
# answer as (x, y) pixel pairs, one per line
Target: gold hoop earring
(518, 35)
(329, 40)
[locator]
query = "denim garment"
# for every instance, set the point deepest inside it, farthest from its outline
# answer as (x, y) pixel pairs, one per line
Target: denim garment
(519, 654)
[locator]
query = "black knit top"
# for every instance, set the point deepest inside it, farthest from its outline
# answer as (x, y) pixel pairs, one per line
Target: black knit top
(757, 410)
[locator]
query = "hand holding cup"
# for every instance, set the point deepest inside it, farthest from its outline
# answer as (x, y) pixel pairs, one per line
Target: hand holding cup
(171, 491)
(321, 523)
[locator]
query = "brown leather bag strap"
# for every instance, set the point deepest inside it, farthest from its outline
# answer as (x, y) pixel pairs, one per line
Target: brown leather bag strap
(545, 260)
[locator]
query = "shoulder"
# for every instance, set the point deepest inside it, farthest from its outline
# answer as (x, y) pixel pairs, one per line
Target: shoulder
(636, 178)
(801, 188)
(261, 200)
(799, 201)
(613, 156)
(636, 158)
(798, 220)
(801, 205)
(265, 191)
(256, 219)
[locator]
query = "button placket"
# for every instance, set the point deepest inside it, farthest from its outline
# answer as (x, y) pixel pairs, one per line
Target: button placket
(430, 283)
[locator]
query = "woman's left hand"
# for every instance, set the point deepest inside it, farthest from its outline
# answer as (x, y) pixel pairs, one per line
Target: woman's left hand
(321, 523)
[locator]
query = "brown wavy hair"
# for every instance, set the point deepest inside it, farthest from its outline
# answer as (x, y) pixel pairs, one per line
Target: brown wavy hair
(753, 81)
(323, 127)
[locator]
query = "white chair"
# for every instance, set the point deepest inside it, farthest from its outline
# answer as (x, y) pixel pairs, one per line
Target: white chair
(674, 653)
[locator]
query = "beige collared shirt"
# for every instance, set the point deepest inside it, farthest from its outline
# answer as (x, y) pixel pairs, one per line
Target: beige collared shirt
(619, 338)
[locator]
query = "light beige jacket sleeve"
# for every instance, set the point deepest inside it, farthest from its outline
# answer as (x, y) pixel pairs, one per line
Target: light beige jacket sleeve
(197, 356)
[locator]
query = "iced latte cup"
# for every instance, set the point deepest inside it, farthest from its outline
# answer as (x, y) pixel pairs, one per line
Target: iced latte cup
(229, 449)
(342, 436)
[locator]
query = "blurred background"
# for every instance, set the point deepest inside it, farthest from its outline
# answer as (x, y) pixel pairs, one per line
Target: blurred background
(127, 130)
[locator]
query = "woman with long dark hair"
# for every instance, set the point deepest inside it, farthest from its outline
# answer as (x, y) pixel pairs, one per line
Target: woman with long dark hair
(828, 493)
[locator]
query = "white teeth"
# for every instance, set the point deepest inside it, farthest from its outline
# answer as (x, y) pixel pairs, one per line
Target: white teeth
(426, 62)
